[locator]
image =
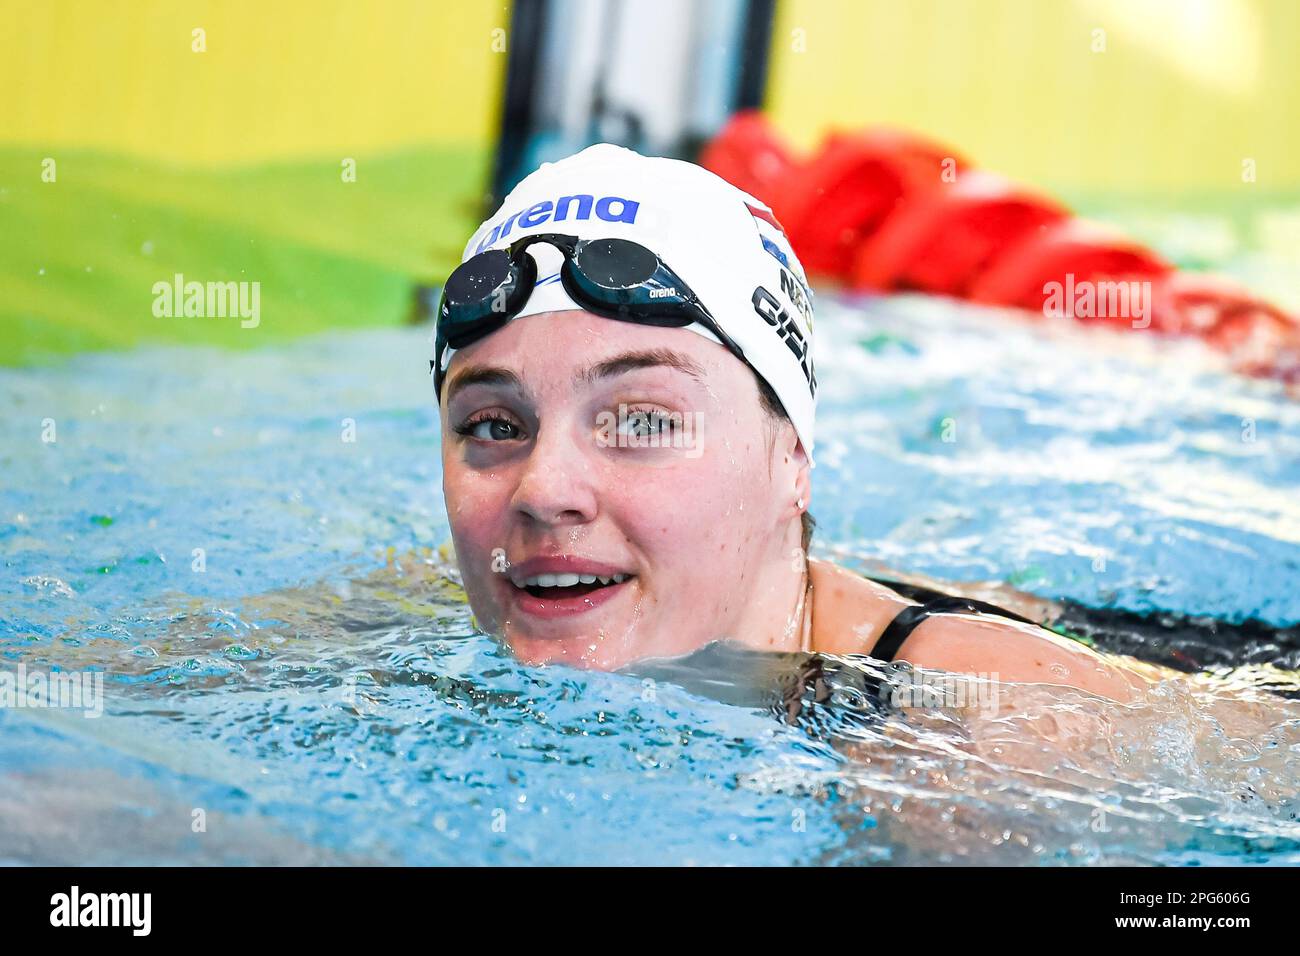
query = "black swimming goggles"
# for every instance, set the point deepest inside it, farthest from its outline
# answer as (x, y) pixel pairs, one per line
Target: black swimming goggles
(614, 278)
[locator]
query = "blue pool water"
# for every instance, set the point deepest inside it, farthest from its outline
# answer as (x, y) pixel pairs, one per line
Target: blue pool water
(291, 675)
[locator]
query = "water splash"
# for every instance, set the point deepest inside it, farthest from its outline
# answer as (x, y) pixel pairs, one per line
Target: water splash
(285, 653)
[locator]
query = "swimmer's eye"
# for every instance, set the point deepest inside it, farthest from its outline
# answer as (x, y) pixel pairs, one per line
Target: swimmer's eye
(646, 423)
(489, 427)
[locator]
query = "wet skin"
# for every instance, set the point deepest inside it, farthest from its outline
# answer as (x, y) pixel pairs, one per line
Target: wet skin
(679, 535)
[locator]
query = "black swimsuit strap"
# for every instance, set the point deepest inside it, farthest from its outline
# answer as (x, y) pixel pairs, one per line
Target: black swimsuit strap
(813, 684)
(901, 627)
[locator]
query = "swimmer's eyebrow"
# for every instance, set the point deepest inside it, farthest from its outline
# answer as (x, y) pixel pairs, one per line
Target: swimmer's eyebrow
(630, 361)
(482, 375)
(618, 365)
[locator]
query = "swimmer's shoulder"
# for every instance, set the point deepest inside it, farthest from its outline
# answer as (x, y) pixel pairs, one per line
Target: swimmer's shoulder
(850, 612)
(1011, 651)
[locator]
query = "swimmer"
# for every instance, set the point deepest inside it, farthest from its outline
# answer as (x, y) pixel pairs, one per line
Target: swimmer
(623, 366)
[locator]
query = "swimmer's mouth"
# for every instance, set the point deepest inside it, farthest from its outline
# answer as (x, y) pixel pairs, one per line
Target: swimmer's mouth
(567, 585)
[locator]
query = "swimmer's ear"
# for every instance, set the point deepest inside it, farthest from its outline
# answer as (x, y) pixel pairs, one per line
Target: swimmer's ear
(795, 459)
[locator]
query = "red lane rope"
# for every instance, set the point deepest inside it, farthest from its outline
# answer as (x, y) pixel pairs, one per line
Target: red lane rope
(886, 211)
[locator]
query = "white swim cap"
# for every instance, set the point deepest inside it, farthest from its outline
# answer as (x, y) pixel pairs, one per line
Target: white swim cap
(723, 243)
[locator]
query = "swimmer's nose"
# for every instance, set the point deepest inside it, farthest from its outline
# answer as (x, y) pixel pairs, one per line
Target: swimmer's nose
(555, 484)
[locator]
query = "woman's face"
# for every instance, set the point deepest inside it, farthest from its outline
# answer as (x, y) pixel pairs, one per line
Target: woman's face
(578, 445)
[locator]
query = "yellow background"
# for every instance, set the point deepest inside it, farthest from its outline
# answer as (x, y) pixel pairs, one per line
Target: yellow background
(280, 78)
(225, 164)
(1185, 90)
